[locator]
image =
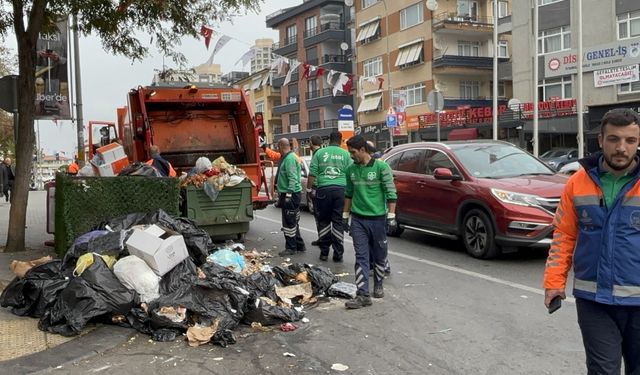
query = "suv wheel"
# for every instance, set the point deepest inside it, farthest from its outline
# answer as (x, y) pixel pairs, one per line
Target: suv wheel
(478, 235)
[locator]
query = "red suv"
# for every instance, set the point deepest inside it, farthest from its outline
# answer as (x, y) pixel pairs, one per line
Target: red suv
(492, 195)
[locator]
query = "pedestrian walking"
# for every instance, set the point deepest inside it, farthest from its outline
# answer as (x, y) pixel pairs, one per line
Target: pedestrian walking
(371, 149)
(7, 178)
(316, 144)
(328, 174)
(370, 202)
(597, 231)
(289, 189)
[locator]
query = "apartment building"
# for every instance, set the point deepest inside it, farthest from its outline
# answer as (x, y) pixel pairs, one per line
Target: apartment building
(316, 33)
(404, 50)
(263, 97)
(233, 77)
(611, 47)
(262, 57)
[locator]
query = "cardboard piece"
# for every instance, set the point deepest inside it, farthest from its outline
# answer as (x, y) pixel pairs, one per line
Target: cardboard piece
(162, 249)
(114, 158)
(111, 153)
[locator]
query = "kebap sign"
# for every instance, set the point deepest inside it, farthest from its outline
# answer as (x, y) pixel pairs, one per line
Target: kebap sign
(604, 56)
(616, 76)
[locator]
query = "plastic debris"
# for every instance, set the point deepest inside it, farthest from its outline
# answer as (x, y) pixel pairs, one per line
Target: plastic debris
(228, 258)
(339, 367)
(343, 290)
(288, 327)
(305, 320)
(287, 354)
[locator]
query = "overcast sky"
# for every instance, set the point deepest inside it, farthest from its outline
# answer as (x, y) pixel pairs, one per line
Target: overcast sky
(106, 79)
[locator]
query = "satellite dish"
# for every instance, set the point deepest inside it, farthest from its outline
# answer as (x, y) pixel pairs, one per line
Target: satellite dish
(514, 104)
(348, 3)
(432, 5)
(344, 46)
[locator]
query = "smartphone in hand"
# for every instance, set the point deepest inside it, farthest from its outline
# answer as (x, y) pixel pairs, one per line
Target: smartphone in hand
(555, 304)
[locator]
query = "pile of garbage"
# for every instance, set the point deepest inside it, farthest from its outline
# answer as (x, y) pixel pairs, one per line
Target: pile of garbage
(164, 277)
(214, 176)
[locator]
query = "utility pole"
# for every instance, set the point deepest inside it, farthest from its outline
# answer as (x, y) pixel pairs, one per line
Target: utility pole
(76, 66)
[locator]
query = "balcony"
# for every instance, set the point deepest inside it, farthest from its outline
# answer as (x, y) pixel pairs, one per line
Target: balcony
(336, 62)
(325, 98)
(314, 125)
(330, 31)
(277, 130)
(287, 47)
(330, 124)
(454, 64)
(450, 22)
(292, 105)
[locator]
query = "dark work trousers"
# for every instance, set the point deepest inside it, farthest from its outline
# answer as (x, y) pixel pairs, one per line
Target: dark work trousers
(369, 239)
(610, 333)
(290, 220)
(7, 190)
(329, 204)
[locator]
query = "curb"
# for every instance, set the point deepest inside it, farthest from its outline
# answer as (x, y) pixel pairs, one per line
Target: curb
(100, 340)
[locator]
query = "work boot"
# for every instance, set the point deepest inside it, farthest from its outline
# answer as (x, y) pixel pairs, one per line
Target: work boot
(287, 253)
(315, 243)
(324, 258)
(358, 302)
(337, 259)
(378, 291)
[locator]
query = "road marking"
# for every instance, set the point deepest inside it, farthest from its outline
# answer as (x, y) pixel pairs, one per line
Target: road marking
(442, 266)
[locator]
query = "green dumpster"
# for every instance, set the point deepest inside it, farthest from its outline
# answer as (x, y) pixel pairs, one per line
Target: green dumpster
(227, 216)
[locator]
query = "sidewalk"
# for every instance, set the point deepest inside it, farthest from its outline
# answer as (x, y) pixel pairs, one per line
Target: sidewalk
(20, 336)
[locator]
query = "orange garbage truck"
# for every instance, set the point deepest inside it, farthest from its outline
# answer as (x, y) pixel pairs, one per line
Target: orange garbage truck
(186, 122)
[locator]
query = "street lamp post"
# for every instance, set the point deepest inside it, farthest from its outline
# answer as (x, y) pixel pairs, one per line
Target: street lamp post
(386, 26)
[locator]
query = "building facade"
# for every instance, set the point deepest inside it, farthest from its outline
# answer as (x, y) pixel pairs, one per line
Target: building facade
(404, 50)
(233, 77)
(314, 33)
(263, 97)
(617, 26)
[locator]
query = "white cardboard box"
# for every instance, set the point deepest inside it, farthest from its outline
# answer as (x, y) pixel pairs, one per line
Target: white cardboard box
(162, 249)
(111, 153)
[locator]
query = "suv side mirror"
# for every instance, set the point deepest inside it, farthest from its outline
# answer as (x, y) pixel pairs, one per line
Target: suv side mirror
(445, 174)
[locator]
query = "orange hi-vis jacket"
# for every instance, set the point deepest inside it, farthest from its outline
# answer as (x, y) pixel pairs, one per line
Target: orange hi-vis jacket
(171, 171)
(601, 243)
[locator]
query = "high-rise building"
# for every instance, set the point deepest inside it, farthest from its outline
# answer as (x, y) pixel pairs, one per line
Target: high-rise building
(404, 50)
(312, 33)
(262, 55)
(611, 52)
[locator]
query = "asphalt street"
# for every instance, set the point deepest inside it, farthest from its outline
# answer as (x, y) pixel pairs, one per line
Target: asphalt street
(443, 313)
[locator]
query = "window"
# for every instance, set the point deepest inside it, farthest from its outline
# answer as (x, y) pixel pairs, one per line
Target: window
(501, 89)
(393, 161)
(629, 25)
(312, 89)
(415, 94)
(503, 48)
(469, 89)
(294, 119)
(310, 26)
(411, 16)
(555, 88)
(410, 161)
(292, 33)
(410, 55)
(293, 93)
(369, 32)
(439, 159)
(467, 48)
(546, 2)
(260, 106)
(627, 88)
(368, 3)
(553, 40)
(503, 9)
(372, 67)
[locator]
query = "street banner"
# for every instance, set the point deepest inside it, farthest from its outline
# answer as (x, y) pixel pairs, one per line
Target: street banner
(52, 83)
(616, 76)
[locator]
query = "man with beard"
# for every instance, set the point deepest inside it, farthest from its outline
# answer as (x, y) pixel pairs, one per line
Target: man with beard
(597, 231)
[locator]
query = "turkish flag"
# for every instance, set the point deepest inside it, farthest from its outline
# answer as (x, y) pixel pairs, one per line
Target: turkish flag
(207, 33)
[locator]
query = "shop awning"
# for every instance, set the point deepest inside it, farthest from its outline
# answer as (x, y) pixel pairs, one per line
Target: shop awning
(409, 54)
(368, 30)
(370, 103)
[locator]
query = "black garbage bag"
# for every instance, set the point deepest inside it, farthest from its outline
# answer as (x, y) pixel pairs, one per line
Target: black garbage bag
(234, 284)
(343, 290)
(165, 335)
(80, 247)
(95, 293)
(37, 291)
(185, 273)
(268, 315)
(321, 277)
(286, 275)
(198, 241)
(107, 243)
(139, 320)
(223, 337)
(139, 169)
(262, 284)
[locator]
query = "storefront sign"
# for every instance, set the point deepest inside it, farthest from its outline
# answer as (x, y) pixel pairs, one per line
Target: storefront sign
(604, 56)
(616, 76)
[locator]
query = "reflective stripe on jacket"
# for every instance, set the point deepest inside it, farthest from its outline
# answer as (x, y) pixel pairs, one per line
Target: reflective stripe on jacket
(601, 243)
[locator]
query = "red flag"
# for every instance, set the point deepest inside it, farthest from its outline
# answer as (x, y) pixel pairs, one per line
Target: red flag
(320, 71)
(207, 33)
(305, 68)
(346, 88)
(380, 82)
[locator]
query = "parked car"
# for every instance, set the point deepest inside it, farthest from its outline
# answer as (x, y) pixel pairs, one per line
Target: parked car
(490, 194)
(570, 168)
(558, 157)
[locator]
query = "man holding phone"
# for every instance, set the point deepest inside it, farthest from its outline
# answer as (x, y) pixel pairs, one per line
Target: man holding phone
(597, 231)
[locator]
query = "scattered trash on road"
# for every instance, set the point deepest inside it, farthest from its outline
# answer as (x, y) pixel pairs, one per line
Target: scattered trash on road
(288, 327)
(441, 331)
(339, 367)
(287, 354)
